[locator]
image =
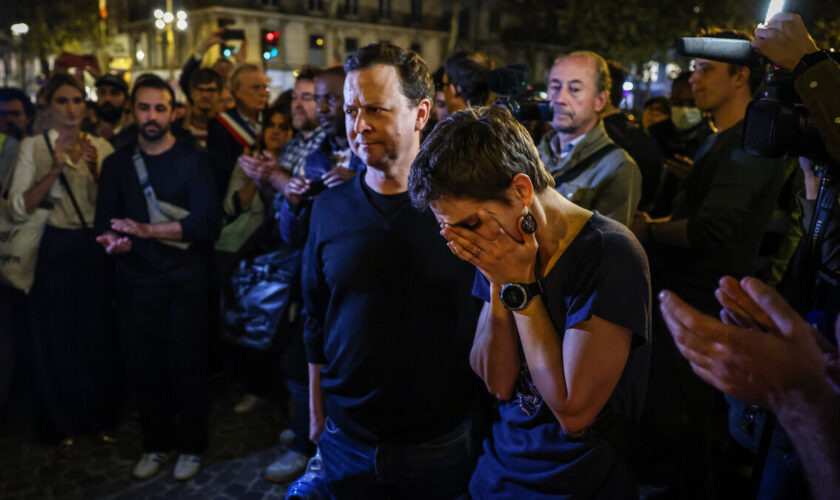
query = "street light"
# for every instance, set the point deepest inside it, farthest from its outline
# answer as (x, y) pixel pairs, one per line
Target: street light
(164, 21)
(20, 29)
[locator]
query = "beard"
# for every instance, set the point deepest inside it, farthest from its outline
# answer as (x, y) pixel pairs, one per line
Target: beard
(109, 113)
(161, 131)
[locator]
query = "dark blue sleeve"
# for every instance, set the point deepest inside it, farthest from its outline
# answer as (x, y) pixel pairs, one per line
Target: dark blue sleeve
(315, 292)
(481, 287)
(614, 284)
(292, 221)
(107, 199)
(204, 222)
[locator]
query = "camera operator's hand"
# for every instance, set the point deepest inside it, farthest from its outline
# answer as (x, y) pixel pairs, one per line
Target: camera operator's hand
(212, 39)
(784, 40)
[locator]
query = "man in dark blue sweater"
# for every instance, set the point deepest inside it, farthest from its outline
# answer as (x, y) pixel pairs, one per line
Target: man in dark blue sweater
(161, 271)
(389, 317)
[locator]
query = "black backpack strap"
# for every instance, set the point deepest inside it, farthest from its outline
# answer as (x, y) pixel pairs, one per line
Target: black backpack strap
(574, 172)
(66, 185)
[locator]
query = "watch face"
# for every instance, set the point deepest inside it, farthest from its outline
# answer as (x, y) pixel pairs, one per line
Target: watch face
(513, 296)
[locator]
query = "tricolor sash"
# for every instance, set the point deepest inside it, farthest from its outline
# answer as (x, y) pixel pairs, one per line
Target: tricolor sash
(238, 128)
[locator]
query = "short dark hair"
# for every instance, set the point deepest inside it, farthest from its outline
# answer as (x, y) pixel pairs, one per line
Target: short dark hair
(470, 77)
(415, 81)
(152, 81)
(333, 70)
(204, 76)
(757, 70)
(437, 79)
(58, 80)
(276, 110)
(660, 104)
(16, 94)
(475, 153)
(307, 73)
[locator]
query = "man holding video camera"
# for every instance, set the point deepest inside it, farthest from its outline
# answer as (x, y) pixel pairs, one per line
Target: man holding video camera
(764, 352)
(719, 219)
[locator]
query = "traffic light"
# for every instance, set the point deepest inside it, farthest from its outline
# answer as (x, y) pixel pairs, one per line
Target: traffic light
(270, 42)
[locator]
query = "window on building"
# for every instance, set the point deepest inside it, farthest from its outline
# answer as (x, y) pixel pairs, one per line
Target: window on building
(351, 45)
(351, 7)
(316, 5)
(316, 50)
(385, 8)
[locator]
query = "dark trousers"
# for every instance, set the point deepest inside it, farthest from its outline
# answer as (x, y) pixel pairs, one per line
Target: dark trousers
(72, 334)
(440, 468)
(166, 348)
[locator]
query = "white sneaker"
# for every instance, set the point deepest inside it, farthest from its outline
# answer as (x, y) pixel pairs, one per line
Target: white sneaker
(287, 436)
(247, 403)
(186, 467)
(289, 466)
(149, 465)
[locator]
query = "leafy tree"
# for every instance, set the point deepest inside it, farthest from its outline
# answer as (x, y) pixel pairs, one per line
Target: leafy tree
(54, 25)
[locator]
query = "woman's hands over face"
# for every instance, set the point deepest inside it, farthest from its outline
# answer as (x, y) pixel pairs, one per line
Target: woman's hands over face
(499, 256)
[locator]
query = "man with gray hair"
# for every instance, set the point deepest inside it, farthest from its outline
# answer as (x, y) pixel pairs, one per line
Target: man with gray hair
(588, 167)
(236, 129)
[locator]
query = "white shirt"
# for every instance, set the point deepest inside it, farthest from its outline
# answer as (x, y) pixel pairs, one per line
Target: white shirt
(33, 163)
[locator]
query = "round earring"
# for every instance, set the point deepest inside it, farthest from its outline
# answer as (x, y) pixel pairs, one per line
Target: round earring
(529, 224)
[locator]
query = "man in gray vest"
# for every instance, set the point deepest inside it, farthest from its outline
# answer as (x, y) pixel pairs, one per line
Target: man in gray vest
(587, 166)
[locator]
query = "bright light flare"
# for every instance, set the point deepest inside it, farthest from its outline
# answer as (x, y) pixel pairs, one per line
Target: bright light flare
(775, 7)
(181, 15)
(168, 17)
(181, 24)
(159, 24)
(20, 29)
(158, 14)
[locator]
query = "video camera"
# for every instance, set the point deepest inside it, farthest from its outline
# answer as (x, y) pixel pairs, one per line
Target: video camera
(776, 123)
(527, 109)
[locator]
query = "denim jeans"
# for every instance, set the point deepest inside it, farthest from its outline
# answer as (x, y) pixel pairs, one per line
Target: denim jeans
(440, 468)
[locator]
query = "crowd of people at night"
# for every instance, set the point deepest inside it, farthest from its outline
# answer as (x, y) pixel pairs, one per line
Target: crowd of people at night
(450, 302)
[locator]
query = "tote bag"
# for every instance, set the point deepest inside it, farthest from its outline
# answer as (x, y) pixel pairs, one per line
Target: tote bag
(19, 243)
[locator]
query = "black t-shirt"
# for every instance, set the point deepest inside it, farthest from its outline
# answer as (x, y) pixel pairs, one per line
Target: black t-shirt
(388, 311)
(181, 176)
(386, 204)
(603, 272)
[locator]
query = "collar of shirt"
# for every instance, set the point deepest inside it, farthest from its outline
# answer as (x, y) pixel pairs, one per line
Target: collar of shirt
(566, 150)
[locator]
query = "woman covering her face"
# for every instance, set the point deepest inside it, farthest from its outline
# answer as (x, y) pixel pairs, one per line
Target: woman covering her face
(562, 340)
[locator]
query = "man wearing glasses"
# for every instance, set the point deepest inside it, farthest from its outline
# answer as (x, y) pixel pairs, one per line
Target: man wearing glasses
(275, 174)
(205, 86)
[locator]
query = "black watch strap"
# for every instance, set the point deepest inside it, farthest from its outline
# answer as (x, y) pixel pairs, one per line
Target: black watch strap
(809, 60)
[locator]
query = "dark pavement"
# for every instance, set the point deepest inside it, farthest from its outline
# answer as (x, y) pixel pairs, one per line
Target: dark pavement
(240, 447)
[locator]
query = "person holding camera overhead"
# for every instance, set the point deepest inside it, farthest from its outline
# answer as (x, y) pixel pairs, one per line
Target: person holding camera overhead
(719, 218)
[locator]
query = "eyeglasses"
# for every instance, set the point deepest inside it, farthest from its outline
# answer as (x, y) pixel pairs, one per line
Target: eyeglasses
(303, 97)
(212, 89)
